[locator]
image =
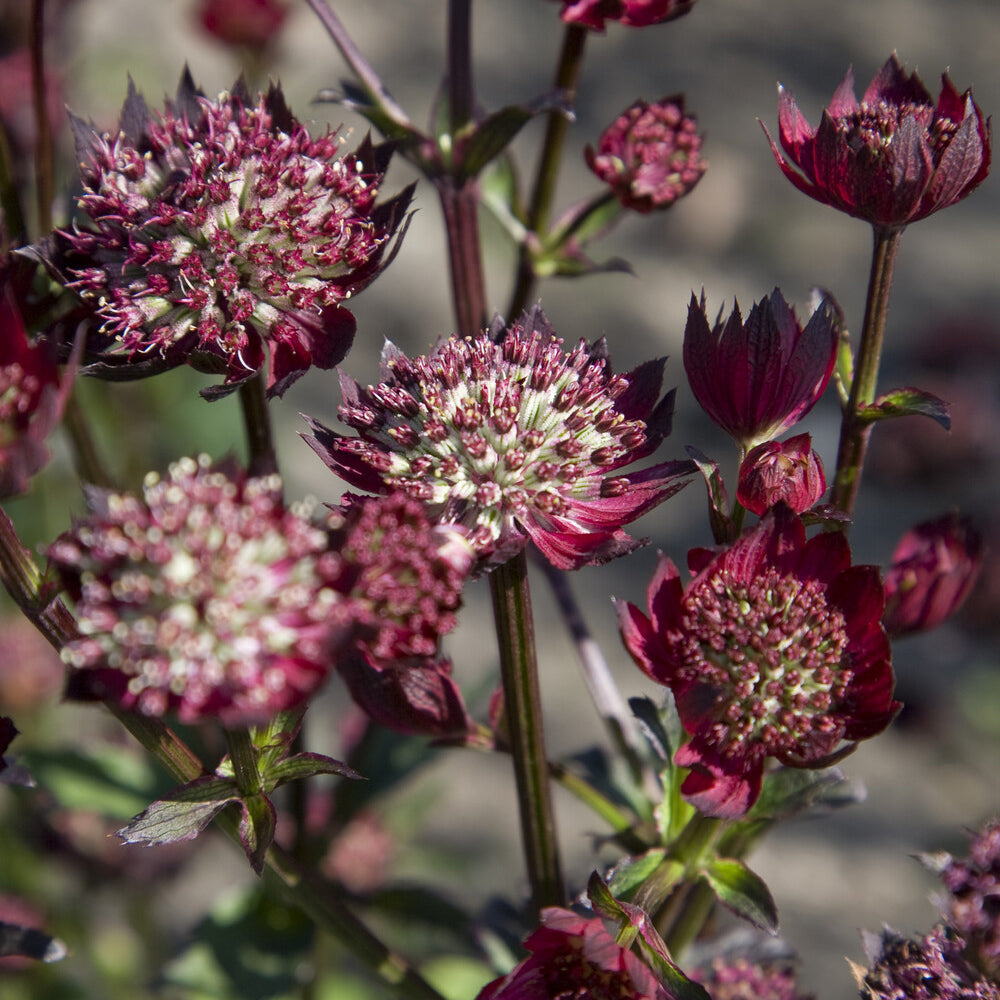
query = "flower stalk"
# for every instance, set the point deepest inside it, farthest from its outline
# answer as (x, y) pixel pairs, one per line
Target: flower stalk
(263, 461)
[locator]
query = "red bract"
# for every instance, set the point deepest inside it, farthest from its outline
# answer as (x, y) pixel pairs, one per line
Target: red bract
(781, 471)
(512, 438)
(774, 649)
(891, 159)
(220, 228)
(651, 155)
(250, 23)
(575, 957)
(635, 13)
(756, 379)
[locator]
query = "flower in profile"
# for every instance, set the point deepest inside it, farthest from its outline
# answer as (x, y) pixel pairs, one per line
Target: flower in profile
(774, 649)
(891, 159)
(934, 568)
(219, 228)
(635, 13)
(650, 155)
(252, 24)
(781, 471)
(928, 968)
(574, 956)
(512, 438)
(758, 378)
(740, 979)
(209, 598)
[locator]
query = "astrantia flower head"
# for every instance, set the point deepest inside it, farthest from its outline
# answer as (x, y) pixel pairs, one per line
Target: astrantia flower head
(635, 13)
(781, 471)
(218, 229)
(740, 979)
(774, 649)
(511, 437)
(574, 956)
(892, 158)
(209, 598)
(650, 155)
(758, 378)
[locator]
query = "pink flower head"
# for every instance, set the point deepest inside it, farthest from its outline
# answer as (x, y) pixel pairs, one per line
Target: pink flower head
(574, 956)
(635, 13)
(774, 649)
(252, 24)
(759, 378)
(512, 438)
(740, 979)
(891, 159)
(209, 598)
(934, 568)
(219, 228)
(781, 471)
(651, 155)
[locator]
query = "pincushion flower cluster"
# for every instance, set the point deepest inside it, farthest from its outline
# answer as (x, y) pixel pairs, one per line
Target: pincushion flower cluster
(209, 598)
(219, 229)
(512, 438)
(634, 13)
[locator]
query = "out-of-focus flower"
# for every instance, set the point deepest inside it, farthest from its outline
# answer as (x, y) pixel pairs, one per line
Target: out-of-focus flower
(774, 649)
(209, 598)
(741, 979)
(972, 904)
(650, 155)
(635, 13)
(218, 228)
(933, 569)
(574, 956)
(776, 471)
(757, 379)
(931, 968)
(891, 159)
(30, 670)
(512, 438)
(252, 24)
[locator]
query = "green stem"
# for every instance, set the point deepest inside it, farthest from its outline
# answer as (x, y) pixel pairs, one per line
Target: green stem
(257, 422)
(44, 157)
(854, 432)
(543, 193)
(523, 714)
(696, 904)
(86, 458)
(461, 95)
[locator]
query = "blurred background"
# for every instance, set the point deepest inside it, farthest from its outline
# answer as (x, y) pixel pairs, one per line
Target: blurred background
(743, 231)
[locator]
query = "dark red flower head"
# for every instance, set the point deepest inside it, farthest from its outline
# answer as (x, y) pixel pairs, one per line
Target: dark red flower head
(635, 13)
(934, 568)
(781, 471)
(512, 438)
(219, 228)
(759, 378)
(650, 155)
(575, 957)
(774, 649)
(249, 23)
(891, 159)
(209, 598)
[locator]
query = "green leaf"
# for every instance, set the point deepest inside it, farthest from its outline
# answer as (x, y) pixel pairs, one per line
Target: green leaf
(306, 765)
(790, 790)
(498, 192)
(183, 814)
(631, 873)
(584, 222)
(257, 827)
(744, 892)
(723, 528)
(661, 726)
(907, 402)
(361, 100)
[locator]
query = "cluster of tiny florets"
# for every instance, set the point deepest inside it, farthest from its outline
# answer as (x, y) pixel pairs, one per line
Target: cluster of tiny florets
(739, 979)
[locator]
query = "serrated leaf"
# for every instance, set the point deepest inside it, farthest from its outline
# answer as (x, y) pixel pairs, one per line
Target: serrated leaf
(744, 892)
(907, 402)
(361, 100)
(584, 222)
(628, 875)
(257, 826)
(570, 262)
(306, 765)
(790, 790)
(499, 193)
(603, 900)
(183, 814)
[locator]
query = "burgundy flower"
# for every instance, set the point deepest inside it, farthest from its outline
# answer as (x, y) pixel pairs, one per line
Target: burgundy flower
(635, 13)
(891, 159)
(209, 598)
(512, 438)
(573, 956)
(756, 379)
(219, 227)
(933, 570)
(249, 23)
(776, 471)
(651, 155)
(740, 979)
(774, 649)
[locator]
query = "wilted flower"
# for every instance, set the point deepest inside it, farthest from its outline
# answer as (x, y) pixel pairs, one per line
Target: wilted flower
(773, 650)
(635, 13)
(651, 155)
(891, 159)
(219, 227)
(776, 471)
(574, 956)
(740, 979)
(210, 598)
(756, 379)
(933, 570)
(510, 437)
(249, 23)
(931, 968)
